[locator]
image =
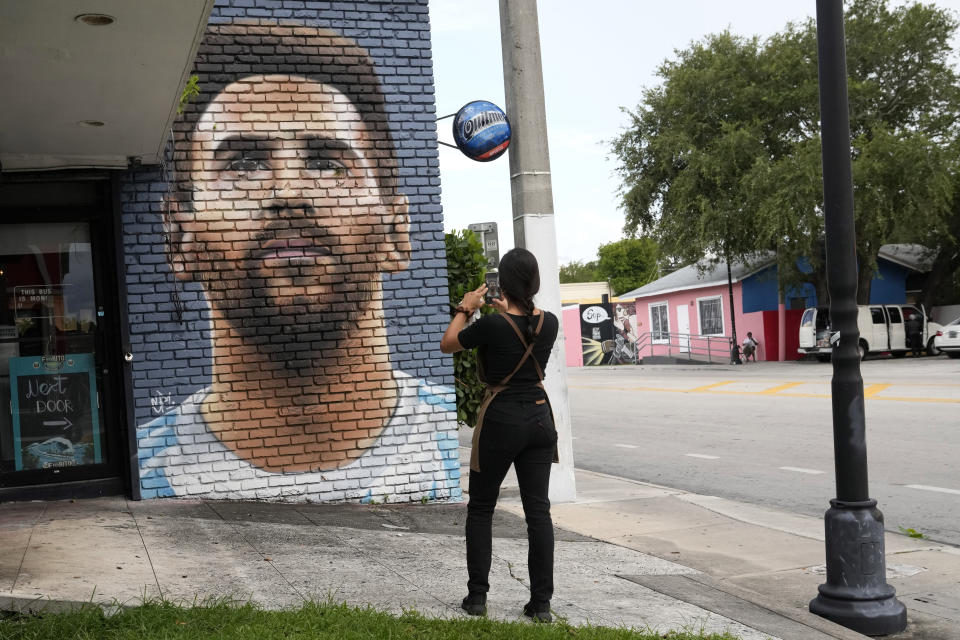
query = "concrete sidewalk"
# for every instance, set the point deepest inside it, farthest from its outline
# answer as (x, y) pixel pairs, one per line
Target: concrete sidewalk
(751, 562)
(628, 554)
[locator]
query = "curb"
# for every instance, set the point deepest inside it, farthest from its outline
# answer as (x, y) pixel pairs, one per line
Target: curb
(34, 606)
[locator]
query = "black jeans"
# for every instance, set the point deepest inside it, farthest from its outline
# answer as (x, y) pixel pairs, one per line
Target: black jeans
(521, 433)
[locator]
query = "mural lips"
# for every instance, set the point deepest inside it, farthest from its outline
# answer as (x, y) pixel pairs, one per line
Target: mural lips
(292, 248)
(481, 131)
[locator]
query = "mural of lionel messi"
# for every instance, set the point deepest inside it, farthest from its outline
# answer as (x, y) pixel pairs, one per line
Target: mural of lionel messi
(285, 209)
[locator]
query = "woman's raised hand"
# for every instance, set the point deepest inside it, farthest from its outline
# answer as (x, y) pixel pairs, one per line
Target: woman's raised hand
(473, 300)
(500, 304)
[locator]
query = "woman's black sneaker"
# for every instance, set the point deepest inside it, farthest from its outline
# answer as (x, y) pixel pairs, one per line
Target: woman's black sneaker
(475, 604)
(538, 613)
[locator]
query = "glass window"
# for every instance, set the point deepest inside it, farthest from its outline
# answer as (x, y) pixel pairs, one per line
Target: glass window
(807, 319)
(659, 323)
(711, 316)
(894, 315)
(48, 322)
(876, 313)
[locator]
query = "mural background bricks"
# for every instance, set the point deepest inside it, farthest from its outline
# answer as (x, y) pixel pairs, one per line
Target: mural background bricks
(170, 321)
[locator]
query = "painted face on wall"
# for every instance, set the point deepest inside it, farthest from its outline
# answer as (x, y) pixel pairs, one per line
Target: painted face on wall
(285, 209)
(285, 204)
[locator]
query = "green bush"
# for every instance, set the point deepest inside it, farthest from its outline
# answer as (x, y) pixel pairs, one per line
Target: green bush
(466, 266)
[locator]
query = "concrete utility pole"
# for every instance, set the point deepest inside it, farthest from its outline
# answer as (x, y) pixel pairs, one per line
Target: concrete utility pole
(856, 593)
(533, 225)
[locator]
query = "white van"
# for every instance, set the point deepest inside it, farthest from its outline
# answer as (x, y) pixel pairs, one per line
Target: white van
(881, 329)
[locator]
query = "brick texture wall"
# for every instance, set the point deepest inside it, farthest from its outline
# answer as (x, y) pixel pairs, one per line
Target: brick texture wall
(286, 274)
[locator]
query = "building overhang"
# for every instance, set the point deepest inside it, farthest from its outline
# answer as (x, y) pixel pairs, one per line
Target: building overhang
(81, 94)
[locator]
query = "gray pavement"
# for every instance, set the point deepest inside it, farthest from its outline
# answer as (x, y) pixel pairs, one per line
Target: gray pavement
(628, 554)
(762, 433)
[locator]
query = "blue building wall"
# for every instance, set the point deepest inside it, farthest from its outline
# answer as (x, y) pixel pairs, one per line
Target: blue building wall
(889, 286)
(760, 289)
(802, 297)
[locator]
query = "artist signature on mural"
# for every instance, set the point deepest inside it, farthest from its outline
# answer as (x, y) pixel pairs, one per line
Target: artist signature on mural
(160, 402)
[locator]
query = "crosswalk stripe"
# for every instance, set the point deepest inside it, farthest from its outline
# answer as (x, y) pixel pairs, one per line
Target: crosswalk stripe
(925, 487)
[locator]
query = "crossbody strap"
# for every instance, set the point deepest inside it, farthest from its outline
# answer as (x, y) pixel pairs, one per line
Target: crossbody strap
(528, 346)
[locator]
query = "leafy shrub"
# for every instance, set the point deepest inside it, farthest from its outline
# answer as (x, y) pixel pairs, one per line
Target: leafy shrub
(466, 265)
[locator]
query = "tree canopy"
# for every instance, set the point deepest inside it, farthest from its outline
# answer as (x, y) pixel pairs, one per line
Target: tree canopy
(578, 271)
(722, 159)
(626, 264)
(629, 263)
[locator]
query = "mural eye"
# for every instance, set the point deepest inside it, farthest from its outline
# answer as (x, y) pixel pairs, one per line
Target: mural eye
(247, 165)
(326, 168)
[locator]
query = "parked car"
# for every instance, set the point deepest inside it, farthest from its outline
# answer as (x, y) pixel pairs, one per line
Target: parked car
(948, 339)
(882, 329)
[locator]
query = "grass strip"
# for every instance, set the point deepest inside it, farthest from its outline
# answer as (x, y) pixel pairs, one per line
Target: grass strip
(314, 621)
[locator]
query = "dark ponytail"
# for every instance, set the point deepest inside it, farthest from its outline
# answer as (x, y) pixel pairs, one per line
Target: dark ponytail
(520, 280)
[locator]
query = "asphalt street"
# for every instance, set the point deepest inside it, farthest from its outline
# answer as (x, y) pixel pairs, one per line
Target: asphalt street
(761, 433)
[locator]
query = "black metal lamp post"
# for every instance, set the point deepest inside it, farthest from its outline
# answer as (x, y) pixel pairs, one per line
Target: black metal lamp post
(856, 594)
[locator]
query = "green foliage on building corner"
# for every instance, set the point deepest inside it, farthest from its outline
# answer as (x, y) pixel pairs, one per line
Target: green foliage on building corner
(190, 91)
(466, 265)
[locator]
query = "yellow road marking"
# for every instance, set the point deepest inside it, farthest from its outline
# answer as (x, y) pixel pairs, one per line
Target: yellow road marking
(777, 389)
(708, 387)
(905, 399)
(873, 390)
(803, 395)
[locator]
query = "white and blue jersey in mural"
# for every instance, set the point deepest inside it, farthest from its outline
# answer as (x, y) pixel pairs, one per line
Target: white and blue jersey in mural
(416, 456)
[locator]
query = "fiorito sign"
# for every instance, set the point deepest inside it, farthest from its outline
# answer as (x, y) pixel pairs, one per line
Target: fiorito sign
(481, 130)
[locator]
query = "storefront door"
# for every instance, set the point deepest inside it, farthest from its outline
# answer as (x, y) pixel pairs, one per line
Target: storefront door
(54, 365)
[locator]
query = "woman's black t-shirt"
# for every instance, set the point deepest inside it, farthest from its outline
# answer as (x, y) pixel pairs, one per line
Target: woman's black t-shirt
(500, 350)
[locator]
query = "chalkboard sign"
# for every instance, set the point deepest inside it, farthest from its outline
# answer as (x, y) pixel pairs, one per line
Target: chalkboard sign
(56, 419)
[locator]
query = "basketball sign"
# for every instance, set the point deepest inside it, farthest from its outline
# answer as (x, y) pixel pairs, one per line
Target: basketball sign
(481, 131)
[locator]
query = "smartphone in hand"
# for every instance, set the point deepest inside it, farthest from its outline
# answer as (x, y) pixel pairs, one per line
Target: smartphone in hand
(493, 286)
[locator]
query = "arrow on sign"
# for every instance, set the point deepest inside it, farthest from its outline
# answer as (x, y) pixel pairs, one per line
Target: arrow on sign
(63, 422)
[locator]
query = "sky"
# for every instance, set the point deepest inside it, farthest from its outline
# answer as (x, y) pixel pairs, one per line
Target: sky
(595, 62)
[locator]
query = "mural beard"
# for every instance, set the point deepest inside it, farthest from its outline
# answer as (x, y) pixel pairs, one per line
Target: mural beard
(314, 322)
(295, 282)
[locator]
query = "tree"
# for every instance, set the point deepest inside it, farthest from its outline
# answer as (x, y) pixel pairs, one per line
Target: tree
(903, 106)
(942, 283)
(723, 159)
(578, 271)
(690, 144)
(687, 148)
(629, 263)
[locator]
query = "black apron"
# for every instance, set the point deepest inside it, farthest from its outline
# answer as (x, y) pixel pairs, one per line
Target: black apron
(492, 390)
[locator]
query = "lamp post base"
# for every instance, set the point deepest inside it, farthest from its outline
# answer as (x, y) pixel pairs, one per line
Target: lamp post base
(856, 594)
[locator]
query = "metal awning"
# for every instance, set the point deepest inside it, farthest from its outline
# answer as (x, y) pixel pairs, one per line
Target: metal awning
(80, 93)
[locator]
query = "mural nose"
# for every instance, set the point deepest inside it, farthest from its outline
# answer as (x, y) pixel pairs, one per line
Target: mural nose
(285, 190)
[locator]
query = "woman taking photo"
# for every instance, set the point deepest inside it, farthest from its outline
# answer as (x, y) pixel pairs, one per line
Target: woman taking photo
(514, 424)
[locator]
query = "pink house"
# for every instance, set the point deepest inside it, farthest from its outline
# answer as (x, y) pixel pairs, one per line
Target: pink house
(686, 314)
